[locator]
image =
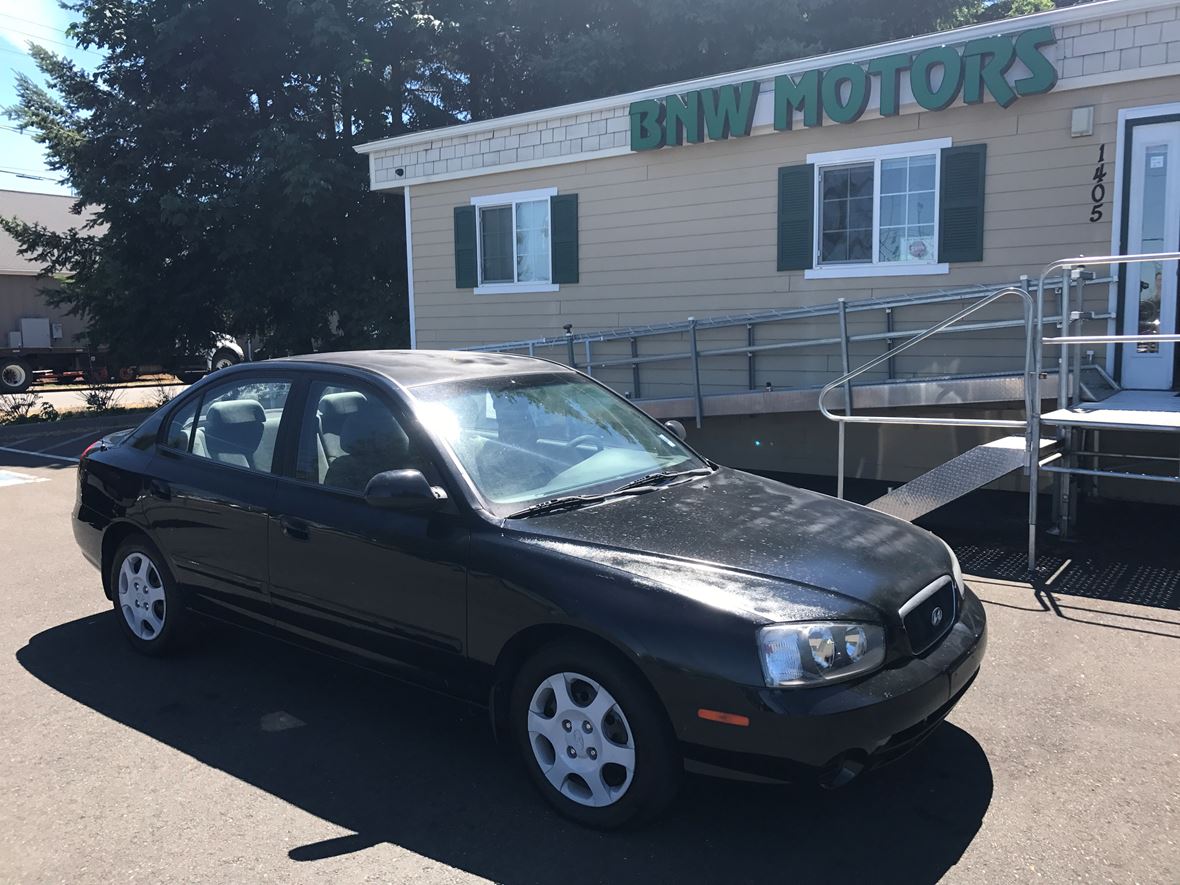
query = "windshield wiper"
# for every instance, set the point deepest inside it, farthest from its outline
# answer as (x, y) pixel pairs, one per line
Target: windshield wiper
(663, 476)
(554, 505)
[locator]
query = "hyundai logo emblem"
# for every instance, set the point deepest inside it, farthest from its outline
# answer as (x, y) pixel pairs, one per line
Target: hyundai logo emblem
(936, 617)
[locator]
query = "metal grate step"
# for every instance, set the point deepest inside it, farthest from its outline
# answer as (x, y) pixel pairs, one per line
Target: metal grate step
(969, 471)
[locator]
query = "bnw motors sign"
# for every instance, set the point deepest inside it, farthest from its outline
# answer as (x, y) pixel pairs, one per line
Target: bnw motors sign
(935, 77)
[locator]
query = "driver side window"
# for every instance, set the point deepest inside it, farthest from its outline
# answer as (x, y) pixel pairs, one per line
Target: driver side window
(348, 436)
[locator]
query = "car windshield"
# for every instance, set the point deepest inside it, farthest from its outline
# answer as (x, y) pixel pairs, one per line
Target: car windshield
(529, 438)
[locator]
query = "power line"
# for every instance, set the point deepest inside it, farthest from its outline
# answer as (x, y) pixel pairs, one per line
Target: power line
(35, 24)
(41, 39)
(27, 175)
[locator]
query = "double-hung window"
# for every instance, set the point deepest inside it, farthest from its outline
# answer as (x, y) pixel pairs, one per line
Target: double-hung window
(514, 242)
(877, 210)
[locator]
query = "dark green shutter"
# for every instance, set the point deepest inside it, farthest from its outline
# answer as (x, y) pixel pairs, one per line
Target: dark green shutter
(796, 217)
(466, 276)
(563, 216)
(960, 222)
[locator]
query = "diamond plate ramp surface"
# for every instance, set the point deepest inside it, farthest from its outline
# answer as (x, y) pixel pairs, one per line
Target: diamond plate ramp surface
(969, 471)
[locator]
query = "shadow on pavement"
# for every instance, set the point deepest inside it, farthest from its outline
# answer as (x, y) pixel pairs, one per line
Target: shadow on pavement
(395, 764)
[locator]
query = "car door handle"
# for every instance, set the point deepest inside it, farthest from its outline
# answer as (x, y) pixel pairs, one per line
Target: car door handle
(295, 529)
(157, 488)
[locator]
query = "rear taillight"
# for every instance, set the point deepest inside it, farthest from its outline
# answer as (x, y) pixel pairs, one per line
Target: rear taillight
(97, 444)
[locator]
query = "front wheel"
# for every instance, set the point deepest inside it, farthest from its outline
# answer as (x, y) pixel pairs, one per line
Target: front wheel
(223, 359)
(147, 604)
(594, 738)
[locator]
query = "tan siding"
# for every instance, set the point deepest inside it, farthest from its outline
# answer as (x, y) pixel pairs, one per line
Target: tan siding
(691, 232)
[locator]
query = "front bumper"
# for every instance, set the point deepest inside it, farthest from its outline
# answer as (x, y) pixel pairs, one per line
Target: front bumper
(830, 733)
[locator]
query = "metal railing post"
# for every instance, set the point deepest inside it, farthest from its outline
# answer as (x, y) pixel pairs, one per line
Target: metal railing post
(890, 366)
(589, 362)
(635, 367)
(847, 396)
(569, 345)
(1033, 390)
(696, 368)
(750, 354)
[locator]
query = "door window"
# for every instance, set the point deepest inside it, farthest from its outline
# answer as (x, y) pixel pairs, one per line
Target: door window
(348, 437)
(238, 423)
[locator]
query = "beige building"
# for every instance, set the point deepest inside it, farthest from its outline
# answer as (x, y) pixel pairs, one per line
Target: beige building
(950, 163)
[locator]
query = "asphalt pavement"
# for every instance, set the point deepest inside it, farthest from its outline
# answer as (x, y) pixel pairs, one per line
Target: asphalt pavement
(245, 760)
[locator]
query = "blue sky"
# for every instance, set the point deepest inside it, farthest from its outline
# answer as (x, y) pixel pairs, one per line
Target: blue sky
(22, 21)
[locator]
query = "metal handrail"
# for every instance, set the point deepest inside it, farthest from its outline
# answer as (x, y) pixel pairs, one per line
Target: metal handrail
(1070, 267)
(918, 339)
(1031, 400)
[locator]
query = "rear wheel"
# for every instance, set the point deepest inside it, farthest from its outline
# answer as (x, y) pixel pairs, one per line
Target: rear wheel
(15, 375)
(223, 359)
(146, 601)
(594, 738)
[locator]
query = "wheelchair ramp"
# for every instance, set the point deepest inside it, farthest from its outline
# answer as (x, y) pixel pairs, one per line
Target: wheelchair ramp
(946, 482)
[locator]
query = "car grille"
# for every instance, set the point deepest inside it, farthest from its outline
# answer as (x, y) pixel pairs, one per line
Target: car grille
(930, 613)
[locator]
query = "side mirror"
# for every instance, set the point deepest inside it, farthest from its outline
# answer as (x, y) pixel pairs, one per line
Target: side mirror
(402, 490)
(677, 429)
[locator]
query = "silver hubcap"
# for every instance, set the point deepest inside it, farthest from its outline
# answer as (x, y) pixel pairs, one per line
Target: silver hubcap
(223, 363)
(581, 740)
(141, 596)
(14, 376)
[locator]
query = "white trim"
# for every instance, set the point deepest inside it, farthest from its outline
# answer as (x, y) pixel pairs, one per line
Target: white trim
(516, 288)
(879, 152)
(1116, 205)
(410, 270)
(828, 159)
(511, 199)
(1055, 17)
(888, 269)
(543, 193)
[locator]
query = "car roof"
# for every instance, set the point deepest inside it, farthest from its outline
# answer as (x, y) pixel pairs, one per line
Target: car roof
(415, 368)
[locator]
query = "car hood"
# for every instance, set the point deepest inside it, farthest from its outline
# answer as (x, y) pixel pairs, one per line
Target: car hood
(731, 523)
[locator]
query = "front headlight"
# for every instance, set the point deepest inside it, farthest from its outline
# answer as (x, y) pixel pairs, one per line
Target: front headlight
(820, 652)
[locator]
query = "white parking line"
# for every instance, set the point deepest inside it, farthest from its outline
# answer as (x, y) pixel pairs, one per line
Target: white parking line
(65, 458)
(12, 478)
(73, 439)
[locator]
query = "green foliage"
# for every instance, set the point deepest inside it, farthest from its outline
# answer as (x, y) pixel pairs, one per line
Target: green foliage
(216, 142)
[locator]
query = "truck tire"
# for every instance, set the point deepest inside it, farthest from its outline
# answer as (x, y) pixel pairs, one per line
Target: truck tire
(15, 375)
(223, 359)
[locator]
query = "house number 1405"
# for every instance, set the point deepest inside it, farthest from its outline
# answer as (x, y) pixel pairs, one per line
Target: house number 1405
(1098, 191)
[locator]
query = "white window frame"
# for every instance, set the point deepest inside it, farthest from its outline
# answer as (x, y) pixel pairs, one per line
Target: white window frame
(874, 155)
(489, 201)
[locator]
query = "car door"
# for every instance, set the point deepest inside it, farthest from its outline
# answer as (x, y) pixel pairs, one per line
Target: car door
(387, 584)
(210, 487)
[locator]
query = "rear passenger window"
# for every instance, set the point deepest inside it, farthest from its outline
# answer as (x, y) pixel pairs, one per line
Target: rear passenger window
(239, 423)
(348, 437)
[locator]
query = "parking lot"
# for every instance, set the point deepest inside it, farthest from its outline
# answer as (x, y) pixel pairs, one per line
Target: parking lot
(243, 760)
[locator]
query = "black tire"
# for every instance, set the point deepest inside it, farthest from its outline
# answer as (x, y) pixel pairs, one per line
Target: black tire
(223, 359)
(657, 764)
(129, 596)
(15, 375)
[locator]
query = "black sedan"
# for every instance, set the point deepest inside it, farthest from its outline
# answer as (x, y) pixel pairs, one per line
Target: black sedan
(509, 531)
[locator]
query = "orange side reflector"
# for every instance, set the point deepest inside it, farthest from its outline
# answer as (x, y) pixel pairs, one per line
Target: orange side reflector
(726, 718)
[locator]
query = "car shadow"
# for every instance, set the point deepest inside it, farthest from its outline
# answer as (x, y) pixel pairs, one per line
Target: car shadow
(395, 764)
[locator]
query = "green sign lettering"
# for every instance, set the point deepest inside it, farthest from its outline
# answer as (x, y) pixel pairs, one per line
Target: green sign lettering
(1042, 75)
(889, 69)
(858, 93)
(790, 96)
(921, 81)
(683, 120)
(729, 110)
(938, 76)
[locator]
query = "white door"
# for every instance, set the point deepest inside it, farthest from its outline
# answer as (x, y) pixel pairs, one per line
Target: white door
(1153, 225)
